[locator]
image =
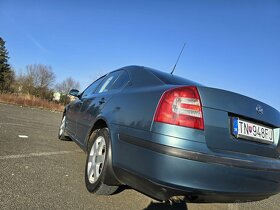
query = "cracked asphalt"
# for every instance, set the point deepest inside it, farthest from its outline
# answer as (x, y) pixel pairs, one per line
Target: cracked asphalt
(37, 171)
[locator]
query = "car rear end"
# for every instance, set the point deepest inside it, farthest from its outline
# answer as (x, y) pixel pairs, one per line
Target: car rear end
(206, 144)
(227, 144)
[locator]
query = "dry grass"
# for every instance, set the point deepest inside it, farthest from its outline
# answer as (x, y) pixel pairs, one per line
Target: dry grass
(30, 101)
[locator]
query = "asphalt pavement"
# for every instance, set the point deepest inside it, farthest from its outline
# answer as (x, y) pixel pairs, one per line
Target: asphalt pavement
(38, 171)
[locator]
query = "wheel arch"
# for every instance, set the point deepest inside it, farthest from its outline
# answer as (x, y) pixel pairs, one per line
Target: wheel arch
(99, 123)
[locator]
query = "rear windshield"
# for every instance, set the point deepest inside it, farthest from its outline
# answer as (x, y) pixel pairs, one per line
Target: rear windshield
(173, 79)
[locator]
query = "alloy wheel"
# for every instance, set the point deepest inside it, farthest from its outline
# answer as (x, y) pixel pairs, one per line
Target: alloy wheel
(96, 159)
(62, 126)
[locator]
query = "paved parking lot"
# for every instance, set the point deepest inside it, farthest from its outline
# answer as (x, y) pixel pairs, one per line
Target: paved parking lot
(37, 171)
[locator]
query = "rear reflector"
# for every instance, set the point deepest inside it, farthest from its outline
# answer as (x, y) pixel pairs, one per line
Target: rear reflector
(181, 106)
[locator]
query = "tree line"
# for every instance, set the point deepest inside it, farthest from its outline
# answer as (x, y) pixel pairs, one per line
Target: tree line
(37, 79)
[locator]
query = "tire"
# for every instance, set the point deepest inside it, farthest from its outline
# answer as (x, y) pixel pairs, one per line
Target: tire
(96, 163)
(61, 132)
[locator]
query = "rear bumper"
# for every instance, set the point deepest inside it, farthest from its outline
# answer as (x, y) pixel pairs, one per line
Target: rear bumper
(257, 163)
(162, 171)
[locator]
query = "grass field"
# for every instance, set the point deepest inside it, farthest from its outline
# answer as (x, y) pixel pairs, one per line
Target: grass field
(30, 101)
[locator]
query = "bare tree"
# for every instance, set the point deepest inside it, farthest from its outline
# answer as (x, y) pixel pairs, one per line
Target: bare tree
(37, 80)
(66, 85)
(25, 84)
(41, 75)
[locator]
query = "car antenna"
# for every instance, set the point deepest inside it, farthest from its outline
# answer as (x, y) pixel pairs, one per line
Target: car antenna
(178, 58)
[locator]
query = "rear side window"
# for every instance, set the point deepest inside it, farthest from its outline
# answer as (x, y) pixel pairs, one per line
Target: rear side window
(114, 81)
(108, 82)
(121, 81)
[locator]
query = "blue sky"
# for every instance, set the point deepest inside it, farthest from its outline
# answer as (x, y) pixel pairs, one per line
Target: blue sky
(233, 45)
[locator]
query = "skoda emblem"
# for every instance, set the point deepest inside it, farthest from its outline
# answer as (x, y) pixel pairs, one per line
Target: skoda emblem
(259, 109)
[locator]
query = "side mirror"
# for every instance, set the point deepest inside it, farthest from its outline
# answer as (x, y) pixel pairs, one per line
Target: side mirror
(74, 92)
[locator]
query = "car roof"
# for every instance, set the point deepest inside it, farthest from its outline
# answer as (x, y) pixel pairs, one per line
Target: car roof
(165, 77)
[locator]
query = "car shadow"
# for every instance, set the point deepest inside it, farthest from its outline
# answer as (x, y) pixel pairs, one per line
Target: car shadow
(178, 205)
(155, 205)
(121, 188)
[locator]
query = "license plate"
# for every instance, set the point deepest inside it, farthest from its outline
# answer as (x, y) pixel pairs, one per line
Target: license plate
(251, 131)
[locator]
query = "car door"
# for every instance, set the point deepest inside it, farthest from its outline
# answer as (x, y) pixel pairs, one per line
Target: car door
(94, 104)
(74, 109)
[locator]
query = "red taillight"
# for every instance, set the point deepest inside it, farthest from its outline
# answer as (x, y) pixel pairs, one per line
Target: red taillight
(181, 106)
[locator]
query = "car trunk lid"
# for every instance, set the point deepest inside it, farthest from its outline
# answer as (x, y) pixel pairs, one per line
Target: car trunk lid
(222, 109)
